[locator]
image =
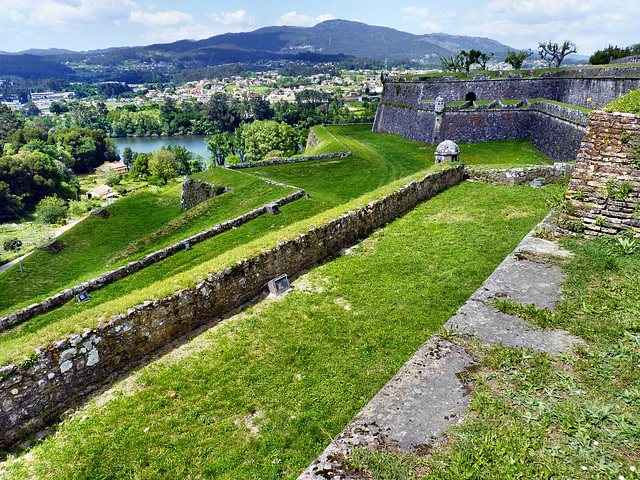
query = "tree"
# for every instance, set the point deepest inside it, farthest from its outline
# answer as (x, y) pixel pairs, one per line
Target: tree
(452, 63)
(162, 164)
(516, 59)
(51, 209)
(607, 55)
(552, 52)
(261, 137)
(483, 59)
(220, 145)
(8, 121)
(127, 156)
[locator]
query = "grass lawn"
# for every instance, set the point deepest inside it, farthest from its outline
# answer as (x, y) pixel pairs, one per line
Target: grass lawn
(535, 416)
(335, 186)
(139, 224)
(263, 393)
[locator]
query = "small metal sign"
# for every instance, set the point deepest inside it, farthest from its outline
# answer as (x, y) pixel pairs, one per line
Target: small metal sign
(279, 285)
(186, 245)
(82, 297)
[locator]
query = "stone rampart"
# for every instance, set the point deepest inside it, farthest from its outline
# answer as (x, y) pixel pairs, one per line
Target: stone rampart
(35, 392)
(603, 196)
(521, 176)
(130, 268)
(555, 130)
(590, 88)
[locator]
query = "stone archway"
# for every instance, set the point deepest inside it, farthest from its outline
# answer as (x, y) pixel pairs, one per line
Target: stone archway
(470, 97)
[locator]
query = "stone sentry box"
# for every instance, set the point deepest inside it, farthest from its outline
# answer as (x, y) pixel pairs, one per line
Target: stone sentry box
(447, 151)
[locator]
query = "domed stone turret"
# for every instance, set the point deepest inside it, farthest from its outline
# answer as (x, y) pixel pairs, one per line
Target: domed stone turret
(447, 151)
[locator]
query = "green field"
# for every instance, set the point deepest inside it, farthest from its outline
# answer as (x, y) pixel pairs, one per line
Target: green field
(262, 394)
(335, 186)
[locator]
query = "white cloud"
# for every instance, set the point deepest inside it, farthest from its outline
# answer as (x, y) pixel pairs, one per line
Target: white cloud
(64, 13)
(16, 16)
(426, 20)
(168, 35)
(161, 19)
(235, 21)
(301, 20)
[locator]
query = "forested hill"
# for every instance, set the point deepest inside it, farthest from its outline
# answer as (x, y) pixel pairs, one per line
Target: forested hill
(331, 40)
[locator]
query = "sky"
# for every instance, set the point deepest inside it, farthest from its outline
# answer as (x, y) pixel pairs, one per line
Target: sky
(93, 24)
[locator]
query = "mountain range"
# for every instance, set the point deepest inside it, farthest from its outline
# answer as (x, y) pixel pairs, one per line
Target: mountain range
(331, 40)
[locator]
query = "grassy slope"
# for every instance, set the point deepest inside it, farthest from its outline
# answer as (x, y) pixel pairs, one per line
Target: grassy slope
(300, 368)
(95, 245)
(534, 416)
(378, 159)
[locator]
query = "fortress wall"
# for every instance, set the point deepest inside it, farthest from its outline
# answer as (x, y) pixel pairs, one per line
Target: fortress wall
(412, 123)
(603, 196)
(556, 137)
(486, 125)
(575, 87)
(34, 393)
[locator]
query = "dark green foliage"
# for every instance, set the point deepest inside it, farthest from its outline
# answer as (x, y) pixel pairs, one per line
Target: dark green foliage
(51, 210)
(26, 178)
(606, 55)
(87, 148)
(11, 244)
(9, 121)
(516, 59)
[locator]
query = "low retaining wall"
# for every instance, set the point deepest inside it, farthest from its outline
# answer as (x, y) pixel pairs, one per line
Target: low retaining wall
(36, 392)
(603, 196)
(112, 276)
(282, 161)
(520, 176)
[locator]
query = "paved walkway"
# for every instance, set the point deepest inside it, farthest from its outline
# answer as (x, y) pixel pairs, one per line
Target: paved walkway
(426, 396)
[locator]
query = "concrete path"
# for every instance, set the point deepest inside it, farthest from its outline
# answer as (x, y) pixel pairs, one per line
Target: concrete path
(427, 396)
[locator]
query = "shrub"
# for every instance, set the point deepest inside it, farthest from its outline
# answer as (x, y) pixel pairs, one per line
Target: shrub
(112, 179)
(51, 210)
(11, 244)
(157, 181)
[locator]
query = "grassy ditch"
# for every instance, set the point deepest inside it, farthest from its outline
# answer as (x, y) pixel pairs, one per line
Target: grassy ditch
(264, 392)
(536, 416)
(326, 143)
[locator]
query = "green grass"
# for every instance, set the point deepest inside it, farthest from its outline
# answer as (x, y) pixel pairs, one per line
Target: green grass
(326, 143)
(501, 154)
(572, 416)
(262, 394)
(96, 244)
(629, 103)
(380, 164)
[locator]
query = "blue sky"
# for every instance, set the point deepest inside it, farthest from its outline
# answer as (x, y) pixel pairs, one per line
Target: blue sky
(92, 24)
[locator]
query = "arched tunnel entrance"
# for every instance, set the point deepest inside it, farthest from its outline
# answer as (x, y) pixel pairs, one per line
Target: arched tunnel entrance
(470, 97)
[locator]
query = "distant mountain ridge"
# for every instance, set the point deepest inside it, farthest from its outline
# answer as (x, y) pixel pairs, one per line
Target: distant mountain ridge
(330, 40)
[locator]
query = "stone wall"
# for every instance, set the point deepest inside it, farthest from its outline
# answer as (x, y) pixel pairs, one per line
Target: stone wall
(195, 192)
(555, 130)
(36, 392)
(603, 196)
(112, 276)
(589, 88)
(283, 161)
(521, 176)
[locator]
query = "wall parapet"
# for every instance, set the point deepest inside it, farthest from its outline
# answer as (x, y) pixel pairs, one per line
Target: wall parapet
(111, 276)
(284, 161)
(36, 392)
(520, 176)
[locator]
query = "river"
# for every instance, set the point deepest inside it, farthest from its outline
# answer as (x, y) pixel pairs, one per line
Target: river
(193, 143)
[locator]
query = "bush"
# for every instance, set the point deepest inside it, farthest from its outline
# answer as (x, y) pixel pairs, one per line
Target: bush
(51, 210)
(157, 181)
(11, 244)
(112, 179)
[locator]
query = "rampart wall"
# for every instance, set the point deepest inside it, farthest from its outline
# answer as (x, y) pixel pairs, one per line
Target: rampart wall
(604, 193)
(35, 392)
(553, 129)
